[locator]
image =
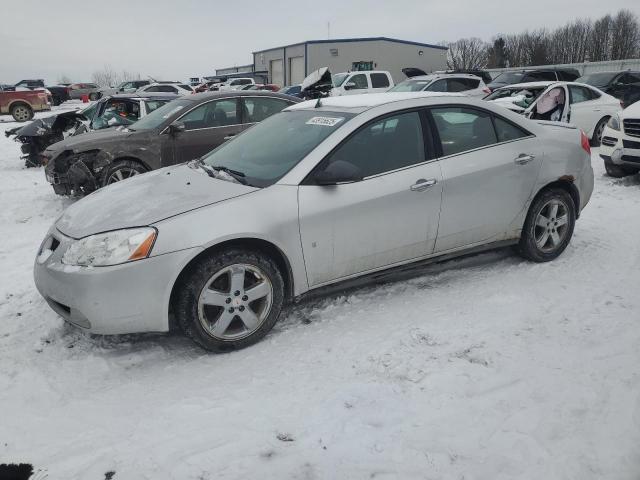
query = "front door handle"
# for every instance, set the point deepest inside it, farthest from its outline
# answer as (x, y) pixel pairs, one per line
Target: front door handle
(230, 136)
(423, 184)
(523, 159)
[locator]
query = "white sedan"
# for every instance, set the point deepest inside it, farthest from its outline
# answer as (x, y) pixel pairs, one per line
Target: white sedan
(584, 106)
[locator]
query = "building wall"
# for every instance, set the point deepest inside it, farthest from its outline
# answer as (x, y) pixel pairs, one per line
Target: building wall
(239, 69)
(262, 60)
(386, 55)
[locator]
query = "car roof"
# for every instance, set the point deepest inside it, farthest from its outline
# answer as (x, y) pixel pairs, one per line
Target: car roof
(360, 103)
(147, 96)
(529, 85)
(434, 76)
(204, 96)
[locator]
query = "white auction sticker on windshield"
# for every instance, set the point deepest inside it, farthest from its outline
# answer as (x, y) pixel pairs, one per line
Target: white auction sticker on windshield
(326, 121)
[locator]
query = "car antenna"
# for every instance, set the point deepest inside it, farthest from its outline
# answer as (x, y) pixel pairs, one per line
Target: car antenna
(318, 104)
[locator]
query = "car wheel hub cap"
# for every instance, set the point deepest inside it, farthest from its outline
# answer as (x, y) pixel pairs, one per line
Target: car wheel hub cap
(552, 223)
(121, 174)
(235, 302)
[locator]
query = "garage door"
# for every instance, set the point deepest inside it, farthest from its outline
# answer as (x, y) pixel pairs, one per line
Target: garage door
(296, 70)
(277, 74)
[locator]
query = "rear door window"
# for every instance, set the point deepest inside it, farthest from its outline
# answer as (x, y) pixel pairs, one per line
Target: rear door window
(259, 108)
(462, 129)
(579, 94)
(457, 85)
(219, 113)
(438, 86)
(507, 131)
(379, 80)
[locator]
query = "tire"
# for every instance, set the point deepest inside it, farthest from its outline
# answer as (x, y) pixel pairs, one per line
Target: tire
(221, 326)
(56, 100)
(121, 170)
(21, 112)
(596, 140)
(616, 171)
(544, 236)
(94, 96)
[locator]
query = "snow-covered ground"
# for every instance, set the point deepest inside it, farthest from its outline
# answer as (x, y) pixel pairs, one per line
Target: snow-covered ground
(486, 368)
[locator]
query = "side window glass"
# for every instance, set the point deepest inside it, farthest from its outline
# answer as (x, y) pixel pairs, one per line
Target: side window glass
(507, 131)
(213, 114)
(392, 143)
(438, 86)
(257, 109)
(152, 89)
(472, 83)
(463, 129)
(579, 94)
(456, 85)
(360, 81)
(379, 80)
(153, 104)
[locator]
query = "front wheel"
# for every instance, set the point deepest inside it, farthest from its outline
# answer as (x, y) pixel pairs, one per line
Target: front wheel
(548, 227)
(121, 170)
(230, 300)
(596, 140)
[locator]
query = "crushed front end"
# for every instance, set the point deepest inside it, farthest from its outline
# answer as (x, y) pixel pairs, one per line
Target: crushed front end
(72, 173)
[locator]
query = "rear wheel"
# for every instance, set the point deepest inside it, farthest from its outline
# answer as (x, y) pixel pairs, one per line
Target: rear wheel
(548, 227)
(230, 300)
(122, 170)
(21, 112)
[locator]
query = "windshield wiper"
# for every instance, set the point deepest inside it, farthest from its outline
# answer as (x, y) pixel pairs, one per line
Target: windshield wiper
(211, 171)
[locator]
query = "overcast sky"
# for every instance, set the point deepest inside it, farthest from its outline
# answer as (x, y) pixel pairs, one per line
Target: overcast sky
(177, 39)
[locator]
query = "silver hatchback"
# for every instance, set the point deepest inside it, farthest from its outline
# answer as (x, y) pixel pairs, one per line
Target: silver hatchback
(322, 195)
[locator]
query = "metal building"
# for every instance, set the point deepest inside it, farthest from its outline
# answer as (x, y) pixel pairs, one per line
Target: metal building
(288, 65)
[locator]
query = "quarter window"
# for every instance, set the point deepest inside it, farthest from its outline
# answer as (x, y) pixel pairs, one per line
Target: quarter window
(379, 80)
(507, 131)
(213, 114)
(391, 143)
(579, 94)
(462, 129)
(437, 86)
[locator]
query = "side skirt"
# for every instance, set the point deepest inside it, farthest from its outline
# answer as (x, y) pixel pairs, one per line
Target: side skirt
(401, 272)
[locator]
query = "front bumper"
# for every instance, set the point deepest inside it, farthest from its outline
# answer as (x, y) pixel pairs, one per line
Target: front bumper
(128, 298)
(620, 148)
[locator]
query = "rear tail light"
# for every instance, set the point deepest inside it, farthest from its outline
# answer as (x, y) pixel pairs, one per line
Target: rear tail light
(622, 104)
(584, 141)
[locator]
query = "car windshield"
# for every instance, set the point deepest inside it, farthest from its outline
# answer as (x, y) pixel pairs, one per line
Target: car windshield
(90, 111)
(160, 116)
(509, 77)
(411, 86)
(266, 152)
(339, 78)
(597, 79)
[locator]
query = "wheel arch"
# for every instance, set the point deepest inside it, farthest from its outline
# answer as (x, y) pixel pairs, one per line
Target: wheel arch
(250, 243)
(567, 184)
(17, 102)
(604, 118)
(129, 158)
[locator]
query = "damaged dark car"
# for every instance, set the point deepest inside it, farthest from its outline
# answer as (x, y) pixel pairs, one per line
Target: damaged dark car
(117, 110)
(177, 132)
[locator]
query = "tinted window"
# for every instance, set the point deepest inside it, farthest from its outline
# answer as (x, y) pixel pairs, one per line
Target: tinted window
(156, 118)
(457, 85)
(410, 86)
(167, 88)
(219, 113)
(509, 77)
(463, 129)
(539, 77)
(579, 94)
(152, 89)
(507, 131)
(628, 78)
(257, 109)
(360, 81)
(597, 79)
(438, 86)
(267, 151)
(379, 80)
(385, 145)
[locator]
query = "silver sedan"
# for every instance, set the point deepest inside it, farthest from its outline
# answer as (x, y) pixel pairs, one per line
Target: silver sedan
(321, 196)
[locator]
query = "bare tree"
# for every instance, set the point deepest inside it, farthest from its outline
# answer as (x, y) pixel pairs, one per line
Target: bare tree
(497, 54)
(63, 79)
(108, 77)
(599, 48)
(467, 53)
(625, 41)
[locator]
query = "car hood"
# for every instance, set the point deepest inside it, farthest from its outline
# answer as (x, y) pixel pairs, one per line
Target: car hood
(146, 199)
(632, 111)
(90, 139)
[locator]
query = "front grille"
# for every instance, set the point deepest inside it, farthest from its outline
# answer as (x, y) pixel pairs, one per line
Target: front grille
(632, 127)
(609, 141)
(631, 144)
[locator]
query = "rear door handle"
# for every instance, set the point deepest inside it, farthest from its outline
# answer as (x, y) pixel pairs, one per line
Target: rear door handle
(230, 136)
(523, 159)
(423, 184)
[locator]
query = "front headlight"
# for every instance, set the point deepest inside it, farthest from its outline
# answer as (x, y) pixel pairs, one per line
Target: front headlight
(111, 248)
(614, 122)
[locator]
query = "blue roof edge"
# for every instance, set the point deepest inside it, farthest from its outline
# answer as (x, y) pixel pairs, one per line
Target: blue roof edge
(363, 39)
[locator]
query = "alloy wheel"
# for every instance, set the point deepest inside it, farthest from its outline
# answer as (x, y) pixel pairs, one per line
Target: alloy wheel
(21, 114)
(235, 302)
(600, 132)
(121, 174)
(552, 223)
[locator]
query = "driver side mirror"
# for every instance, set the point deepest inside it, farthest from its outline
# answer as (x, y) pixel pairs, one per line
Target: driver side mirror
(349, 85)
(176, 128)
(338, 172)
